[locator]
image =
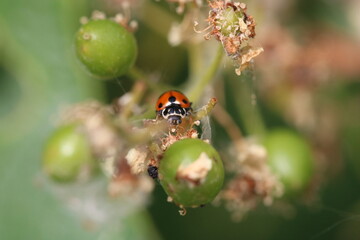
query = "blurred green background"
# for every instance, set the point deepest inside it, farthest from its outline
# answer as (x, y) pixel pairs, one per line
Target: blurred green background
(39, 75)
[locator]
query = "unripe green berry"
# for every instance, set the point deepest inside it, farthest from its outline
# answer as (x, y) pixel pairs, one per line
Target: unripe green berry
(290, 158)
(106, 48)
(67, 154)
(191, 172)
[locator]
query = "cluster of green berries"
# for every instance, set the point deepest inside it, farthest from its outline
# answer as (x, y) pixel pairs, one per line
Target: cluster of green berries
(188, 168)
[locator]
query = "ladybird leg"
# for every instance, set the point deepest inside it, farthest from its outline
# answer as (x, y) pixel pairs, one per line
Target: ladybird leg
(188, 111)
(159, 115)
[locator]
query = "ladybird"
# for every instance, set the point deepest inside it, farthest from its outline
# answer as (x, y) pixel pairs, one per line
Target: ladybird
(173, 106)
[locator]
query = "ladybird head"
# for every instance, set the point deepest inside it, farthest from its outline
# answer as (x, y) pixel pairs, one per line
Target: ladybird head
(173, 106)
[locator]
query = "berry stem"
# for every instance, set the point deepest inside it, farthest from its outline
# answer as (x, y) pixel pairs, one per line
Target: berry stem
(137, 93)
(136, 74)
(156, 18)
(205, 111)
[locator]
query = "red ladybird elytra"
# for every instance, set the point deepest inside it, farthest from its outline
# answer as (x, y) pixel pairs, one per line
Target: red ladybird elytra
(173, 106)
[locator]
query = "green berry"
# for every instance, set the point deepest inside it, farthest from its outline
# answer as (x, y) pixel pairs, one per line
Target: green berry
(67, 154)
(290, 158)
(191, 172)
(106, 48)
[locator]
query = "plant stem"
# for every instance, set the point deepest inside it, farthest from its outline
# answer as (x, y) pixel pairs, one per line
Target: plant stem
(196, 63)
(137, 93)
(205, 110)
(246, 103)
(199, 85)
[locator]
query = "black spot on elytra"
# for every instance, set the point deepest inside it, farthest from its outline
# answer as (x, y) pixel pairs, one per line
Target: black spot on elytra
(172, 99)
(160, 105)
(184, 101)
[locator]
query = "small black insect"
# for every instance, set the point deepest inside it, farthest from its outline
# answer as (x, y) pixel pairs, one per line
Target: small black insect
(153, 171)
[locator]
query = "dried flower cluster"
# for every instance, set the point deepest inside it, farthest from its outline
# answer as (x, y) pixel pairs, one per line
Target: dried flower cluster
(233, 27)
(96, 119)
(129, 184)
(109, 147)
(253, 182)
(229, 20)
